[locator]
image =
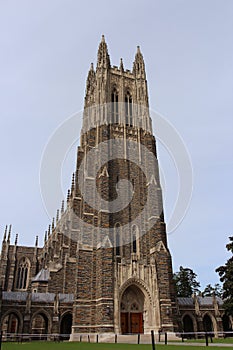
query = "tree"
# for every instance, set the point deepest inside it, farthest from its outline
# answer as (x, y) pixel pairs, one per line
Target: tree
(226, 277)
(185, 282)
(212, 290)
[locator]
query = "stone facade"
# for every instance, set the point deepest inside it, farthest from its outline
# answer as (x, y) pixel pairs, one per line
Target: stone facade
(102, 270)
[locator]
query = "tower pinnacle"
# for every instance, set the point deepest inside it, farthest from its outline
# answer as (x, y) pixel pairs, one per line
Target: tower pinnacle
(103, 60)
(139, 65)
(121, 65)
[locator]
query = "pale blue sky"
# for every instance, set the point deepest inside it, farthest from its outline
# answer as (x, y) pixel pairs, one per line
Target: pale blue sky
(46, 50)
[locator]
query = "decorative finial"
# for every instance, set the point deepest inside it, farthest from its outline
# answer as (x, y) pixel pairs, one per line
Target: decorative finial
(121, 65)
(103, 38)
(53, 222)
(49, 230)
(36, 242)
(57, 218)
(68, 195)
(4, 237)
(138, 49)
(92, 66)
(9, 235)
(16, 238)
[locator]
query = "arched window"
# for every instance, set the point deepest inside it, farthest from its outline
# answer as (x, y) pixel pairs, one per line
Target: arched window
(114, 100)
(135, 239)
(118, 239)
(23, 274)
(128, 109)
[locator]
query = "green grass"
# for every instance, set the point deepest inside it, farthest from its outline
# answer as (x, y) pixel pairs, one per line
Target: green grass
(202, 340)
(92, 346)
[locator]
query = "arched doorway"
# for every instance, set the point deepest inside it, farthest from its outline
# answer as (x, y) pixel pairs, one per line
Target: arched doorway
(188, 326)
(132, 307)
(207, 323)
(66, 326)
(10, 324)
(227, 326)
(39, 326)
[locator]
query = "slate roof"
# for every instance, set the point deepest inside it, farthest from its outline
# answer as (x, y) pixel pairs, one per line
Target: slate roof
(201, 300)
(14, 296)
(185, 301)
(205, 300)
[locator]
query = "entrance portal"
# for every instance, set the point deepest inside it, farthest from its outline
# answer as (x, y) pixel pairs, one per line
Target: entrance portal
(65, 327)
(132, 307)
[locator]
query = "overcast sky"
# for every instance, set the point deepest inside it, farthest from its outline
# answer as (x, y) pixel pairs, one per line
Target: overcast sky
(46, 50)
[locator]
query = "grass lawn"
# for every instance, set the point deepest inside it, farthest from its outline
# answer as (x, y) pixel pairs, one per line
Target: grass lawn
(215, 340)
(93, 346)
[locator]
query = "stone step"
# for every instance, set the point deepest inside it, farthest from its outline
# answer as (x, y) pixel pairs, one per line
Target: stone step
(123, 338)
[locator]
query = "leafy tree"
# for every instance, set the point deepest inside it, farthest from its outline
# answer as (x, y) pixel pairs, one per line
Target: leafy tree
(185, 282)
(210, 290)
(226, 276)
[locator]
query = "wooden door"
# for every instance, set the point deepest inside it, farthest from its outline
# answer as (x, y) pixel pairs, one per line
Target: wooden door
(124, 322)
(136, 322)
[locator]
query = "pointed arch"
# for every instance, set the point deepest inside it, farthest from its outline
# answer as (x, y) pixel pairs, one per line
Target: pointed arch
(226, 322)
(66, 325)
(115, 105)
(209, 322)
(135, 307)
(41, 322)
(12, 322)
(128, 108)
(135, 239)
(133, 300)
(23, 272)
(140, 284)
(118, 239)
(189, 324)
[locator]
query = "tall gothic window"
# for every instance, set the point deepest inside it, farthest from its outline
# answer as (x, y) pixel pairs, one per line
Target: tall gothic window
(128, 109)
(114, 100)
(135, 239)
(23, 274)
(118, 239)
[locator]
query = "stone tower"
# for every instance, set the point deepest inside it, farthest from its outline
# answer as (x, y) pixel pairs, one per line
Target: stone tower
(123, 267)
(105, 266)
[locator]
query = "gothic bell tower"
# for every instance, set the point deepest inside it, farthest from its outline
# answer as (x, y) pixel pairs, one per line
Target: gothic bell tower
(123, 269)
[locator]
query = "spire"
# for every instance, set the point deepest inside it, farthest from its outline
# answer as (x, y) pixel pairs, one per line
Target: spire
(91, 81)
(45, 237)
(16, 239)
(121, 65)
(4, 237)
(9, 235)
(139, 65)
(103, 60)
(36, 242)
